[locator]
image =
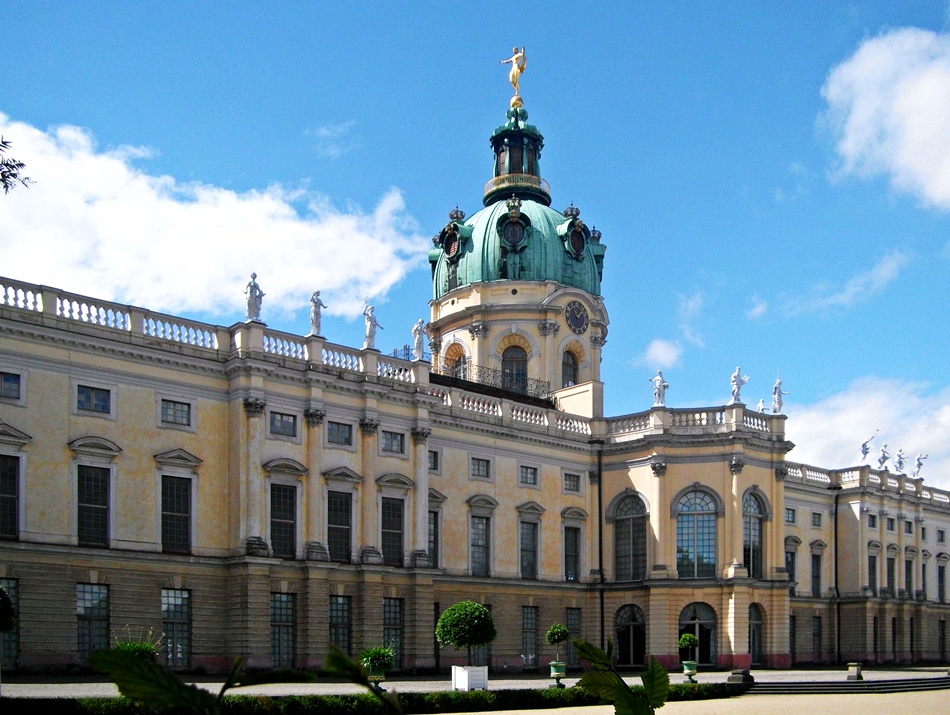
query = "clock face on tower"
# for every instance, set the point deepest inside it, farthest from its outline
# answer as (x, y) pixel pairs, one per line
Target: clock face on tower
(577, 318)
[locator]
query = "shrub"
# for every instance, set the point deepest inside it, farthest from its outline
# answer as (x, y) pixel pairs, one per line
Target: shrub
(378, 658)
(557, 634)
(688, 641)
(465, 625)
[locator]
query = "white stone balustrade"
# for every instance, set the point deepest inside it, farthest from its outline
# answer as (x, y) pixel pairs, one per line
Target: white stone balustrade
(343, 358)
(16, 294)
(284, 345)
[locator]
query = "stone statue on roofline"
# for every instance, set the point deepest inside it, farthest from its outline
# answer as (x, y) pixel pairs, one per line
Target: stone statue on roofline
(255, 296)
(660, 386)
(369, 312)
(418, 335)
(883, 456)
(866, 447)
(736, 382)
(918, 464)
(761, 406)
(899, 460)
(777, 395)
(316, 307)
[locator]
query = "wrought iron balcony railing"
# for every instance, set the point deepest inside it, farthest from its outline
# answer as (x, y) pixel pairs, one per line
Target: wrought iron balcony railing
(500, 379)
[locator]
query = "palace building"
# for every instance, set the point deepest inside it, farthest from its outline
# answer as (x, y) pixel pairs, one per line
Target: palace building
(254, 493)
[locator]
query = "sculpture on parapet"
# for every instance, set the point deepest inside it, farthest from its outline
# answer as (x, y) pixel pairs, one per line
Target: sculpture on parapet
(660, 386)
(316, 306)
(777, 397)
(866, 447)
(761, 406)
(255, 297)
(899, 460)
(518, 62)
(883, 457)
(918, 464)
(736, 382)
(418, 335)
(369, 312)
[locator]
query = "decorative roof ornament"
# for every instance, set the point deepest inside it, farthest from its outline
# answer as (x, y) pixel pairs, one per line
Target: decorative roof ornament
(514, 207)
(595, 235)
(518, 62)
(572, 211)
(457, 214)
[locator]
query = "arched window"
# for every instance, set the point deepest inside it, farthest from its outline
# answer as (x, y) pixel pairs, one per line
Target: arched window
(700, 620)
(630, 540)
(514, 369)
(568, 369)
(630, 626)
(752, 552)
(755, 634)
(696, 535)
(460, 368)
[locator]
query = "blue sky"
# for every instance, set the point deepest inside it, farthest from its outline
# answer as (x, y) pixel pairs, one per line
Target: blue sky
(772, 180)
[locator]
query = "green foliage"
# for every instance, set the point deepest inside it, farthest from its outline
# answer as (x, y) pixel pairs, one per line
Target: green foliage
(340, 665)
(688, 640)
(465, 625)
(378, 658)
(7, 614)
(557, 633)
(604, 681)
(10, 170)
(145, 651)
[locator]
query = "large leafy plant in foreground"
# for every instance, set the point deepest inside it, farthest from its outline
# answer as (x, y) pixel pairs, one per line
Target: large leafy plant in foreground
(604, 680)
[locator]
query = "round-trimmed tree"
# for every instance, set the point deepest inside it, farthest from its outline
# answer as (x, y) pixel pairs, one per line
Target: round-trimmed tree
(465, 625)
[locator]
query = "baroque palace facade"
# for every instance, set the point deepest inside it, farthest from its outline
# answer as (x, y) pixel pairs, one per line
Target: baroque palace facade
(254, 493)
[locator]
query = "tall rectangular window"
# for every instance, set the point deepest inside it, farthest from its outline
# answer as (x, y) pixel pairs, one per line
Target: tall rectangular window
(9, 496)
(816, 639)
(573, 618)
(572, 553)
(529, 549)
(434, 539)
(872, 521)
(92, 618)
(529, 636)
(93, 399)
(790, 563)
(93, 505)
(283, 424)
(816, 574)
(283, 620)
(892, 575)
(394, 442)
(392, 531)
(433, 460)
(480, 545)
(176, 413)
(908, 527)
(941, 583)
(339, 517)
(340, 623)
(176, 625)
(10, 385)
(176, 515)
(909, 577)
(923, 580)
(339, 433)
(481, 468)
(789, 515)
(392, 627)
(816, 518)
(872, 574)
(283, 520)
(10, 640)
(528, 476)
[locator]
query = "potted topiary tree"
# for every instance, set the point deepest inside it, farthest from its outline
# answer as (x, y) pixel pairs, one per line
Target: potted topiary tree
(378, 660)
(556, 635)
(466, 625)
(689, 642)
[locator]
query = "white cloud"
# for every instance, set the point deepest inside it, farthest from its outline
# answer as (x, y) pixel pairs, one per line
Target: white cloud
(857, 289)
(889, 112)
(94, 223)
(759, 308)
(661, 354)
(689, 310)
(334, 140)
(829, 433)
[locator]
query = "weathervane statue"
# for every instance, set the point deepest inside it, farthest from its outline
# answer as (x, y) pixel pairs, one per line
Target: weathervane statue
(518, 62)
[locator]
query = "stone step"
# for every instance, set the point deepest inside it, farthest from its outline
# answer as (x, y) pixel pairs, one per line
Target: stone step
(904, 685)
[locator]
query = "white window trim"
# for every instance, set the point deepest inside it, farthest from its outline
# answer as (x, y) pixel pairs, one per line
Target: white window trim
(574, 524)
(12, 450)
(354, 435)
(436, 500)
(24, 379)
(537, 471)
(347, 484)
(394, 455)
(167, 470)
(391, 486)
(99, 385)
(484, 506)
(192, 427)
(491, 467)
(298, 422)
(581, 473)
(86, 460)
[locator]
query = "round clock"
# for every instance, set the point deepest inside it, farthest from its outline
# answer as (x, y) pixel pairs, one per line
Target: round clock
(577, 318)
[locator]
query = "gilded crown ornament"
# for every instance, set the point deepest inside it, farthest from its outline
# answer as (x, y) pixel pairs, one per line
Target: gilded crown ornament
(572, 211)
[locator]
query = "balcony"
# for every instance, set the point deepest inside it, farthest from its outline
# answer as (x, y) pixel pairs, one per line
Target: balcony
(497, 379)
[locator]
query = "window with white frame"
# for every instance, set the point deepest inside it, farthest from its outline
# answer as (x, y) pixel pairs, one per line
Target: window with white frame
(93, 399)
(872, 521)
(816, 518)
(176, 514)
(572, 482)
(176, 413)
(529, 549)
(941, 536)
(434, 460)
(92, 618)
(630, 539)
(529, 636)
(283, 520)
(10, 386)
(339, 526)
(283, 629)
(9, 496)
(481, 468)
(891, 523)
(572, 553)
(283, 424)
(528, 476)
(789, 515)
(393, 628)
(480, 545)
(753, 517)
(176, 625)
(341, 623)
(696, 535)
(340, 433)
(92, 518)
(394, 442)
(908, 527)
(393, 530)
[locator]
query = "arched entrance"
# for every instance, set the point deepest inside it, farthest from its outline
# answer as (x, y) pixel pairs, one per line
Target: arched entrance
(700, 620)
(630, 626)
(756, 629)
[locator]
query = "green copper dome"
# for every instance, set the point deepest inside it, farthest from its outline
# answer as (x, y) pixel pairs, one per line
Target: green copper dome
(517, 236)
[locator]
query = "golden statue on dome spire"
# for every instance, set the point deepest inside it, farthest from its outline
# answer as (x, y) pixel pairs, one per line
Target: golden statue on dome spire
(518, 62)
